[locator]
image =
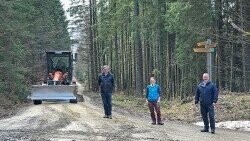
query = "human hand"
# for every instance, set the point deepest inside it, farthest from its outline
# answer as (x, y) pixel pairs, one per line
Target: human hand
(146, 102)
(158, 101)
(195, 104)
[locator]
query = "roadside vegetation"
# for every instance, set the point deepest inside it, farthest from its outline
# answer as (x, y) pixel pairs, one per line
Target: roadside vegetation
(231, 106)
(27, 31)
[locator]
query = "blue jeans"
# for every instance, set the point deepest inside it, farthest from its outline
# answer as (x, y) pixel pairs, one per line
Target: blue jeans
(107, 104)
(208, 111)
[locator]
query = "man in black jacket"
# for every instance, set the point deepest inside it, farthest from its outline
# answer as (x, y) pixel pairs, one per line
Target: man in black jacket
(207, 95)
(106, 85)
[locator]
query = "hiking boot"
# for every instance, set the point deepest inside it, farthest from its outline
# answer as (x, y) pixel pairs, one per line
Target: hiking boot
(160, 123)
(110, 117)
(204, 130)
(105, 116)
(153, 123)
(212, 131)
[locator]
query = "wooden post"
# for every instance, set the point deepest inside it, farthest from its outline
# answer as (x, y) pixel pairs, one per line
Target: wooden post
(209, 59)
(206, 47)
(209, 64)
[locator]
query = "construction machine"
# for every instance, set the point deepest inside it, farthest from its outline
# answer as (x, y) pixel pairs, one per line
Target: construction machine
(58, 83)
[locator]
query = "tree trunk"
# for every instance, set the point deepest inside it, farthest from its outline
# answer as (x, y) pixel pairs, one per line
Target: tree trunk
(220, 47)
(171, 66)
(161, 45)
(138, 51)
(244, 77)
(246, 27)
(91, 47)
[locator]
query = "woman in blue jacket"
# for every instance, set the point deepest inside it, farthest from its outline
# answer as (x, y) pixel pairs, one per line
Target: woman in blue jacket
(153, 92)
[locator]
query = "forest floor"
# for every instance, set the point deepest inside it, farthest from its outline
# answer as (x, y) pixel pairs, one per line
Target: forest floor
(9, 108)
(63, 121)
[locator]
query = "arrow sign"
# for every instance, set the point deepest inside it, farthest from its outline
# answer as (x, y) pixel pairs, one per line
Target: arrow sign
(202, 43)
(200, 50)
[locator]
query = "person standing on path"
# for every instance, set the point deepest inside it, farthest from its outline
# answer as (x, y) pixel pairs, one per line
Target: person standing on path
(106, 85)
(153, 92)
(207, 95)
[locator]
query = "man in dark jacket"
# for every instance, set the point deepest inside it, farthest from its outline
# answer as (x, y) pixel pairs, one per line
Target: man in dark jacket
(207, 95)
(106, 84)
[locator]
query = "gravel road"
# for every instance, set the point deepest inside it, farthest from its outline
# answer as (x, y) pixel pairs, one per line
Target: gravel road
(63, 121)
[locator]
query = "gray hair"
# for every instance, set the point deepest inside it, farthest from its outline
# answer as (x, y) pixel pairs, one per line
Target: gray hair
(105, 66)
(205, 74)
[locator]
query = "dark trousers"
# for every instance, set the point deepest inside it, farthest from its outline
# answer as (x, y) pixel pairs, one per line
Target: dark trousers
(154, 107)
(208, 110)
(107, 104)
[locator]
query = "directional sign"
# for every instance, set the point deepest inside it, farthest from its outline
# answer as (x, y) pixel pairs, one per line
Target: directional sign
(213, 45)
(200, 50)
(246, 34)
(201, 43)
(205, 45)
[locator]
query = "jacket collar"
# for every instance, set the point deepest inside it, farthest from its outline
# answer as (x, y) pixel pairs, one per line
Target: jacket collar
(106, 74)
(152, 85)
(203, 84)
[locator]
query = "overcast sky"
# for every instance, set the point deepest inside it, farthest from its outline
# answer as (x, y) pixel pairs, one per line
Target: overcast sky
(74, 35)
(66, 4)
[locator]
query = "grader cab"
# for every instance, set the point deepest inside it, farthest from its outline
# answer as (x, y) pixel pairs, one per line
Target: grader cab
(58, 84)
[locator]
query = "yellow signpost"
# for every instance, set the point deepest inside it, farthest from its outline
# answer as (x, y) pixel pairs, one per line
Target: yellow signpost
(202, 50)
(206, 47)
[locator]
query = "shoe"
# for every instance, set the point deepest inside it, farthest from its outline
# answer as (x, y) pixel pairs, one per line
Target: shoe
(153, 123)
(105, 116)
(110, 117)
(212, 131)
(204, 130)
(160, 123)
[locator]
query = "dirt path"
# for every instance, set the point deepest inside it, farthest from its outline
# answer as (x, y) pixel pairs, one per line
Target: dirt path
(62, 121)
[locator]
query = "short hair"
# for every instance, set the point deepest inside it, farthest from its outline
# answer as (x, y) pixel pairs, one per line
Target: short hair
(152, 77)
(105, 66)
(205, 74)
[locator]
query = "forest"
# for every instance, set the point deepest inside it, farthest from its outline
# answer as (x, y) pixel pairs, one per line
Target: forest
(136, 38)
(28, 28)
(139, 39)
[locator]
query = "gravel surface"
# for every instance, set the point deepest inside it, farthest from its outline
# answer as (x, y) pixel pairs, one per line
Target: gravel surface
(63, 121)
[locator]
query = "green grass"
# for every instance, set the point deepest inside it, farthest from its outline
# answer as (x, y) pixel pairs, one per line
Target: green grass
(130, 102)
(233, 106)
